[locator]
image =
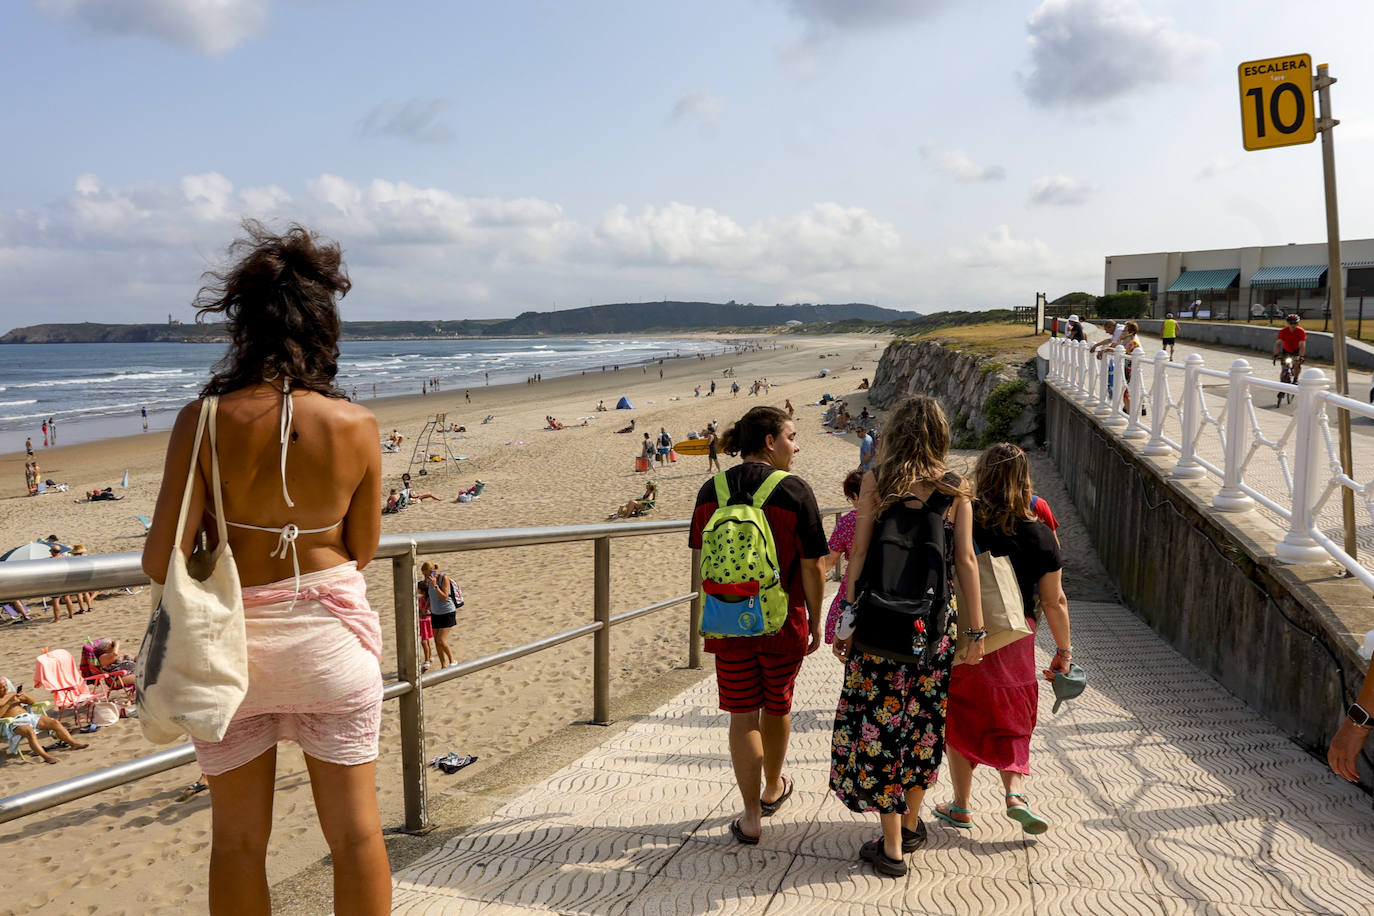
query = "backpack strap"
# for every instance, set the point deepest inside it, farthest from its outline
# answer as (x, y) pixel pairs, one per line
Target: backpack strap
(722, 490)
(766, 489)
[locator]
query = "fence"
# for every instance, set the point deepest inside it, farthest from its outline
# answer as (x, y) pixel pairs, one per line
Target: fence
(119, 570)
(1286, 464)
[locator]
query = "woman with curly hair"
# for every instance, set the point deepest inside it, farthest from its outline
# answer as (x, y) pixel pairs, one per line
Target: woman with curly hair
(301, 484)
(992, 708)
(913, 534)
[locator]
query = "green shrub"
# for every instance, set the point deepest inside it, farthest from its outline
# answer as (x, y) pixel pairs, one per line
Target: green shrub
(1001, 410)
(1132, 303)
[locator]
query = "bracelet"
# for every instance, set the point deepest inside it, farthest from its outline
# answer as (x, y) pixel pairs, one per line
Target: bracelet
(1067, 653)
(976, 635)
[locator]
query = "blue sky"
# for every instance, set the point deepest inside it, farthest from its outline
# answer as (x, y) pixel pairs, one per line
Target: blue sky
(481, 159)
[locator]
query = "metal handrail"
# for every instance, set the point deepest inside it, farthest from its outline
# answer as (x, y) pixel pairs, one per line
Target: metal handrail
(25, 577)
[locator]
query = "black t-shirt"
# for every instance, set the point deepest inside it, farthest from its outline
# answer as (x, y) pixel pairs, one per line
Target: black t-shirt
(1033, 551)
(795, 518)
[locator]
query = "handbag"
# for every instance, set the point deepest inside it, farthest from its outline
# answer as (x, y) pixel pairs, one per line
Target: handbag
(1004, 615)
(192, 669)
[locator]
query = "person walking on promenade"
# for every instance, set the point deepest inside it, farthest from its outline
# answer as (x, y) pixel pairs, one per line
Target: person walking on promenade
(755, 675)
(897, 639)
(993, 707)
(301, 484)
(1168, 334)
(1353, 734)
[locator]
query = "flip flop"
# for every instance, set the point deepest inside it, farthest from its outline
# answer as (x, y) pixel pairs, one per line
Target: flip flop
(952, 808)
(1030, 822)
(770, 808)
(740, 835)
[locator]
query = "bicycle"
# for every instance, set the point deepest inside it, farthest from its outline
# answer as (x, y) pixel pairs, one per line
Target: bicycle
(1288, 375)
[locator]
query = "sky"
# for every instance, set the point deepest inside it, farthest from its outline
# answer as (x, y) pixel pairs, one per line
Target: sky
(480, 159)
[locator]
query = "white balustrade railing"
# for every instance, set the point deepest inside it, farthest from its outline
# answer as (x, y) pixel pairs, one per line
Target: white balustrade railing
(1285, 464)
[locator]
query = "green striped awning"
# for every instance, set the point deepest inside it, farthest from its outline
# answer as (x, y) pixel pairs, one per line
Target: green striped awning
(1204, 281)
(1302, 276)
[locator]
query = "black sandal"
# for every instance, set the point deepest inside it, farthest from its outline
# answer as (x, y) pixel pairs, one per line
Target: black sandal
(872, 851)
(771, 808)
(740, 835)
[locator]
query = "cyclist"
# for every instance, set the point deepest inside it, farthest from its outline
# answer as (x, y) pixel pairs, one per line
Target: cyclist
(1292, 342)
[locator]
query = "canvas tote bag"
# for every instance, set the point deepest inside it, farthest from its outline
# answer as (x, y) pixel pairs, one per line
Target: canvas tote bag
(192, 670)
(1003, 613)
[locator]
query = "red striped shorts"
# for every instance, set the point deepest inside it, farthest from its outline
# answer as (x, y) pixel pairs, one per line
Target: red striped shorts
(757, 681)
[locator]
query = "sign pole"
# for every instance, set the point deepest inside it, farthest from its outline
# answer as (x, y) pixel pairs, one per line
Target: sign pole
(1336, 288)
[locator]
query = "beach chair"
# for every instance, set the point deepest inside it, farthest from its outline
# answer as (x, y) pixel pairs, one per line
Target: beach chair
(98, 681)
(55, 670)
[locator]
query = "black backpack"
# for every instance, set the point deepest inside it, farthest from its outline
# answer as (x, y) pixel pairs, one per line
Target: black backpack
(903, 607)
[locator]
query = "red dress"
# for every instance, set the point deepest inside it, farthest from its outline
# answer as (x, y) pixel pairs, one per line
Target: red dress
(993, 706)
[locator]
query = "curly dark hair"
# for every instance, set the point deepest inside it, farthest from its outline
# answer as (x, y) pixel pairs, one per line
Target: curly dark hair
(749, 435)
(279, 303)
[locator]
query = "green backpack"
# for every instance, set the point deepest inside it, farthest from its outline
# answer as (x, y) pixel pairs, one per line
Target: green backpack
(741, 582)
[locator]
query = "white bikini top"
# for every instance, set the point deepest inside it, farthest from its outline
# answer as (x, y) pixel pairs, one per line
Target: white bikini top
(286, 534)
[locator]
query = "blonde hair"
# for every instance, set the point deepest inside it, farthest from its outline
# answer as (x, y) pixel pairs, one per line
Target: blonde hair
(912, 452)
(427, 567)
(1002, 484)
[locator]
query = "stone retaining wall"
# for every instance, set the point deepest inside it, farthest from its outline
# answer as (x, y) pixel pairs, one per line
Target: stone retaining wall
(984, 398)
(1198, 577)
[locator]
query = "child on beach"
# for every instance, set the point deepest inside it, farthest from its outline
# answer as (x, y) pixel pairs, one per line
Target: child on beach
(841, 542)
(426, 623)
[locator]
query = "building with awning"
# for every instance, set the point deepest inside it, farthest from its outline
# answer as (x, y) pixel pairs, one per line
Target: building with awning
(1240, 283)
(1204, 281)
(1301, 276)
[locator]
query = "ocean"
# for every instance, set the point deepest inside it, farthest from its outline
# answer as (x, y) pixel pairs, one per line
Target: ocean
(96, 391)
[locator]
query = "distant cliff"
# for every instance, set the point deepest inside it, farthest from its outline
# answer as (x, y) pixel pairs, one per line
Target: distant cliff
(616, 318)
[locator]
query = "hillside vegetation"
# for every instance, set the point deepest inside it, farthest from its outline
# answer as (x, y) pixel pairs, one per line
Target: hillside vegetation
(614, 318)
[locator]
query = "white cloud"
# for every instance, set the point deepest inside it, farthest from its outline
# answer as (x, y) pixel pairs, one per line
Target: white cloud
(416, 120)
(697, 105)
(1001, 252)
(1060, 191)
(427, 246)
(1087, 52)
(958, 165)
(208, 26)
(1217, 165)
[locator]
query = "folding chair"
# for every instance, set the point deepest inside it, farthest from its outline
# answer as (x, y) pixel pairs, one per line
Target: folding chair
(56, 671)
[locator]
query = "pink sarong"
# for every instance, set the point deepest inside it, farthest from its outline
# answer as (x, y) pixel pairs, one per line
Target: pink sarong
(313, 673)
(993, 707)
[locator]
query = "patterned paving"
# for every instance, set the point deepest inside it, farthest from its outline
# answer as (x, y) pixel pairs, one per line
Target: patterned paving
(1167, 796)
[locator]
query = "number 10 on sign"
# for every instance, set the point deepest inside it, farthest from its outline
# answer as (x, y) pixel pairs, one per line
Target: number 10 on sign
(1276, 102)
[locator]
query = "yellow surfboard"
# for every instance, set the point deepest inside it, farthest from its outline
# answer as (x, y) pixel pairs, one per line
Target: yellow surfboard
(692, 447)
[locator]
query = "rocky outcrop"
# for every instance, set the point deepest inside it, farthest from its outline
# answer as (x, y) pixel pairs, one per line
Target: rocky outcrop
(986, 399)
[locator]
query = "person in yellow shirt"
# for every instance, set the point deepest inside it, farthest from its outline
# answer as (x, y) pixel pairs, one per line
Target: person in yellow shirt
(1168, 333)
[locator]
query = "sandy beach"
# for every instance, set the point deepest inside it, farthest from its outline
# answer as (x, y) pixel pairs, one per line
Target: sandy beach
(533, 476)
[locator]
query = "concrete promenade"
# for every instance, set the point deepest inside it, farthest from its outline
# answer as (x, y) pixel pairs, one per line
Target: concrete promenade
(1165, 793)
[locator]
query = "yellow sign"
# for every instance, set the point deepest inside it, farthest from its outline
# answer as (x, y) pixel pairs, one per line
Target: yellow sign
(1276, 102)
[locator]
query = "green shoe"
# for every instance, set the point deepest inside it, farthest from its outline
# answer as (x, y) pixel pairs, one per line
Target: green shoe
(1030, 822)
(950, 809)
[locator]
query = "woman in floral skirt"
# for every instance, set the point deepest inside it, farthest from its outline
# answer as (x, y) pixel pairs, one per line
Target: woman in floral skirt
(889, 732)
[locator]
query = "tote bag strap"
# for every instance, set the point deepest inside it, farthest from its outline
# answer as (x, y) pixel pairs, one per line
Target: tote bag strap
(207, 417)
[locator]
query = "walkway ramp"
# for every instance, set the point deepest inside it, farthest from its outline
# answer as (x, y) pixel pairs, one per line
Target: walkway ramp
(1166, 795)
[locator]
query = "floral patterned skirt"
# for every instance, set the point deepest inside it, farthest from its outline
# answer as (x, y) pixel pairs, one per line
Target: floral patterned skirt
(889, 729)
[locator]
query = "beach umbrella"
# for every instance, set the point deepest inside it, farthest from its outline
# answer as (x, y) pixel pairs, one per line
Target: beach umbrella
(125, 481)
(34, 550)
